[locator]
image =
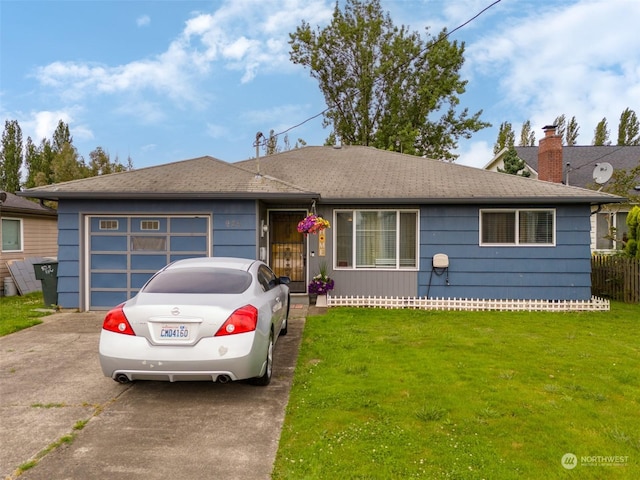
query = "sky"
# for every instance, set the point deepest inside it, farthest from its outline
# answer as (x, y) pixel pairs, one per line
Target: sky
(168, 80)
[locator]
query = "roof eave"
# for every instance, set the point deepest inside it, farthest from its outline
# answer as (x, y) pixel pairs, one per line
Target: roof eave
(476, 200)
(168, 195)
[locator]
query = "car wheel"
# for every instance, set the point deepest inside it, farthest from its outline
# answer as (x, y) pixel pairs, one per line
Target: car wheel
(285, 323)
(265, 379)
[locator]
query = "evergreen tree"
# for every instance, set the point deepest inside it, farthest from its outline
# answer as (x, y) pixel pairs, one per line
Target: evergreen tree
(527, 135)
(601, 133)
(506, 138)
(379, 79)
(571, 136)
(561, 126)
(629, 128)
(514, 164)
(11, 157)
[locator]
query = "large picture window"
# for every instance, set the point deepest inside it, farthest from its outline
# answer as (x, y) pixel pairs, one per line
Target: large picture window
(376, 239)
(11, 235)
(517, 227)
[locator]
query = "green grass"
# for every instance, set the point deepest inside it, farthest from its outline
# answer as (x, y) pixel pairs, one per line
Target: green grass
(398, 394)
(19, 312)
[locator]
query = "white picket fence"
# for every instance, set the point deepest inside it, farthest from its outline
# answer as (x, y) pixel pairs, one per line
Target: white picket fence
(594, 304)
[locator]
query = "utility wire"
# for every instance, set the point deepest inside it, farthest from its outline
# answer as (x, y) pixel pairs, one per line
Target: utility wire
(442, 38)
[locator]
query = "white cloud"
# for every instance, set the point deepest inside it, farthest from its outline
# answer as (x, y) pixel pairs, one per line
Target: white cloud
(143, 20)
(566, 60)
(475, 154)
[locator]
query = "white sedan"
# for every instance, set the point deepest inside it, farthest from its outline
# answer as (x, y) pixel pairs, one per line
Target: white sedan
(215, 319)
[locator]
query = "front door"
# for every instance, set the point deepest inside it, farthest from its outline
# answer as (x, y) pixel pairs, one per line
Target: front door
(288, 248)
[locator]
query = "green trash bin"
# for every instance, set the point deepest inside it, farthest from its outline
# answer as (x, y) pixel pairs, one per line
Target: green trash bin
(47, 273)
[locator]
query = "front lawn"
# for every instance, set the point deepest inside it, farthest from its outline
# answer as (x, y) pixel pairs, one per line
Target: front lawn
(398, 394)
(21, 311)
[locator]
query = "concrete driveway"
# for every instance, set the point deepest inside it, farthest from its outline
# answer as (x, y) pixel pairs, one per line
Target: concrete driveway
(51, 384)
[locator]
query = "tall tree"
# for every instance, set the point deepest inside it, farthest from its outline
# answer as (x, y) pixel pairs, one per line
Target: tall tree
(506, 137)
(571, 135)
(380, 80)
(61, 136)
(513, 164)
(601, 133)
(527, 135)
(11, 157)
(68, 165)
(629, 128)
(561, 126)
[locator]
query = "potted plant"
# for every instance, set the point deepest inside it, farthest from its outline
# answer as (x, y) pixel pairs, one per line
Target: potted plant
(312, 224)
(320, 285)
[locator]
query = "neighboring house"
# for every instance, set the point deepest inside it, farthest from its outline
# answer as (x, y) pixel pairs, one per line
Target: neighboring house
(27, 229)
(506, 237)
(577, 165)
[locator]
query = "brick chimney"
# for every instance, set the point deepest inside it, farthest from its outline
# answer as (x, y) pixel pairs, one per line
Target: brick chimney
(550, 156)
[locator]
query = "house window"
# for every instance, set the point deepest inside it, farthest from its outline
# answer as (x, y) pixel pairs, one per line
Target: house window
(517, 227)
(108, 224)
(380, 239)
(11, 235)
(149, 225)
(610, 229)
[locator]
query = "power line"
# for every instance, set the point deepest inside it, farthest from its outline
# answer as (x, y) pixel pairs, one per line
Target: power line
(264, 143)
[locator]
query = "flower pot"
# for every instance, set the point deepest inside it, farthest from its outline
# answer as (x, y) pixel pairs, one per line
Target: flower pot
(321, 301)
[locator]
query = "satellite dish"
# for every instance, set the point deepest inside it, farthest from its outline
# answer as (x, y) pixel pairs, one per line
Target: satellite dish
(602, 173)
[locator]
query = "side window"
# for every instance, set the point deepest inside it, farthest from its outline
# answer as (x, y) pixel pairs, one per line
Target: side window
(267, 278)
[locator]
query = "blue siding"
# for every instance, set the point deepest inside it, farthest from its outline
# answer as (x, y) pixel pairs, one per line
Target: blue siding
(553, 273)
(233, 234)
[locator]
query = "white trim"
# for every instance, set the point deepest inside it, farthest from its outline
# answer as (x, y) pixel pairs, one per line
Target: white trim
(398, 260)
(21, 239)
(517, 227)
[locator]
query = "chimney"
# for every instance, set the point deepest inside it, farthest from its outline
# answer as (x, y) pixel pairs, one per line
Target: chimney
(550, 156)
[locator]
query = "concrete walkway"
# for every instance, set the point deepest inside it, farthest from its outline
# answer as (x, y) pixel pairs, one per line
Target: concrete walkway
(51, 387)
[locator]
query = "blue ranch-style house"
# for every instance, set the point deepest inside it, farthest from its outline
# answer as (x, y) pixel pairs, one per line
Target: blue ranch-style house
(499, 236)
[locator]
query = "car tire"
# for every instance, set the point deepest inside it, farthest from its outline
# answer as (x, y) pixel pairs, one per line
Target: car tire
(265, 379)
(285, 323)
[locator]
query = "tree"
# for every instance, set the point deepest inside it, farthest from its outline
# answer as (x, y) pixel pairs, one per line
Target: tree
(527, 135)
(632, 249)
(601, 133)
(385, 86)
(271, 144)
(629, 128)
(571, 135)
(514, 164)
(61, 136)
(11, 157)
(100, 163)
(68, 165)
(506, 138)
(561, 126)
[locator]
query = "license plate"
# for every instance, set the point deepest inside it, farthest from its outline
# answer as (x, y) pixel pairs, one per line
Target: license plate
(175, 332)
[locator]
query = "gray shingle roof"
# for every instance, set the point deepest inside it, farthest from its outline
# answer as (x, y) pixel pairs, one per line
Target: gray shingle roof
(18, 205)
(366, 174)
(346, 174)
(583, 159)
(203, 177)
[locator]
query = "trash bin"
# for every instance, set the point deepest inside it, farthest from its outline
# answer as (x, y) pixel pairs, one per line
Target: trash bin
(47, 273)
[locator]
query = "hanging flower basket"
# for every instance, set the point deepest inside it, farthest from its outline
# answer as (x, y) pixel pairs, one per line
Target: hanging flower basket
(312, 224)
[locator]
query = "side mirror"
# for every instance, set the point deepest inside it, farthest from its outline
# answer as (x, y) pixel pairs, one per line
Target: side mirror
(284, 280)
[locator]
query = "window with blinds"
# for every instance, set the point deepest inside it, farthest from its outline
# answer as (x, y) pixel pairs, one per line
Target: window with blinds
(517, 227)
(376, 239)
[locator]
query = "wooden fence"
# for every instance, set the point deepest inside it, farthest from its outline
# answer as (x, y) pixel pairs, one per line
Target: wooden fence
(615, 277)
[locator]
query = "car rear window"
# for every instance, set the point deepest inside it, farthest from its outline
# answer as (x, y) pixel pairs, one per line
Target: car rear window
(199, 280)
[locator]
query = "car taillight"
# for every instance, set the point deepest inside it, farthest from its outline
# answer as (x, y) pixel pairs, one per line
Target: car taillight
(116, 321)
(242, 320)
